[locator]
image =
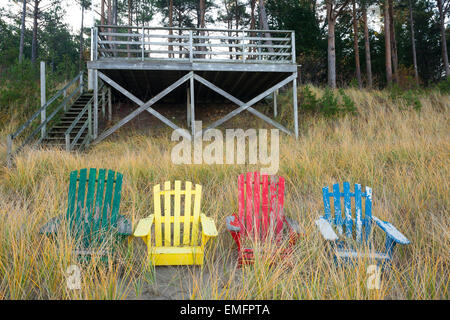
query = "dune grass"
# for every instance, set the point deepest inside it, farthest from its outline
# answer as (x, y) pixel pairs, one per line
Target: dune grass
(403, 154)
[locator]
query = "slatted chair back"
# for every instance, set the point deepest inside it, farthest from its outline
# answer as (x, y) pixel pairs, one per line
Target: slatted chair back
(177, 214)
(261, 201)
(353, 225)
(93, 207)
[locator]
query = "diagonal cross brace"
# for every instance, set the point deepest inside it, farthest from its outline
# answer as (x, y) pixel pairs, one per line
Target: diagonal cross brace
(143, 106)
(245, 106)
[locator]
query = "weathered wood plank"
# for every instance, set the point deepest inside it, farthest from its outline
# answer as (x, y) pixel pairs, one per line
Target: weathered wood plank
(142, 106)
(107, 202)
(265, 204)
(347, 210)
(187, 213)
(196, 220)
(337, 208)
(167, 214)
(249, 204)
(176, 211)
(358, 212)
(158, 220)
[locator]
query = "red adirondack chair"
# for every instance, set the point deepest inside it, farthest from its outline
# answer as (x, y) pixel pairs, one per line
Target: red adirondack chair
(260, 216)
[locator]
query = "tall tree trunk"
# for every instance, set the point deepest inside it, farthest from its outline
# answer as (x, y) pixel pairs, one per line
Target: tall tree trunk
(252, 15)
(331, 52)
(393, 41)
(356, 46)
(252, 23)
(413, 43)
(34, 42)
(264, 23)
(22, 30)
(236, 14)
(367, 48)
(114, 12)
(109, 17)
(202, 14)
(331, 55)
(102, 12)
(387, 42)
(130, 23)
(263, 17)
(180, 22)
(201, 24)
(80, 62)
(444, 41)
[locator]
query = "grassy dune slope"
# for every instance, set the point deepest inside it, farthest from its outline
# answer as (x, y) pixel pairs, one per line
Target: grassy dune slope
(401, 153)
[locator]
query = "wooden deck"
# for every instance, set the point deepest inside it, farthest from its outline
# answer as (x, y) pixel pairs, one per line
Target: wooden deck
(203, 65)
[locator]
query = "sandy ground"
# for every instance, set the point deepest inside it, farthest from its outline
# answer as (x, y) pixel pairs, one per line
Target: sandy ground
(173, 282)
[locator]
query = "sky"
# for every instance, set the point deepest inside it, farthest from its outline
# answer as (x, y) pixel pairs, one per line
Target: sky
(72, 17)
(73, 13)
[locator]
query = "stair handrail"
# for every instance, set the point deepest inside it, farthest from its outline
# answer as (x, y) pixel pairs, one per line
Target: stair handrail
(10, 138)
(87, 124)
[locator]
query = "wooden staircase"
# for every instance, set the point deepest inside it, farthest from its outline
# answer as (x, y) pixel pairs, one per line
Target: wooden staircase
(56, 135)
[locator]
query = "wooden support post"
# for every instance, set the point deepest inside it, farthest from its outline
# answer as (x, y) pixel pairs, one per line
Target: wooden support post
(95, 50)
(9, 150)
(188, 103)
(103, 103)
(192, 106)
(81, 82)
(65, 96)
(109, 105)
(92, 44)
(95, 103)
(293, 46)
(191, 55)
(243, 46)
(90, 120)
(67, 142)
(275, 110)
(143, 45)
(294, 97)
(43, 100)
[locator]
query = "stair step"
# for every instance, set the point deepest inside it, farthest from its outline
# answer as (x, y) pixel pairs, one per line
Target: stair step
(73, 116)
(66, 127)
(70, 121)
(63, 139)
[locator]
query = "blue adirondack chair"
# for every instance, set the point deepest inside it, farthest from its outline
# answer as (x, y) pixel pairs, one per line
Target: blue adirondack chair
(357, 228)
(92, 218)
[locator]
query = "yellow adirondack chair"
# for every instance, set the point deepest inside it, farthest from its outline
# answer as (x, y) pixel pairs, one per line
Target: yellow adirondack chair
(183, 248)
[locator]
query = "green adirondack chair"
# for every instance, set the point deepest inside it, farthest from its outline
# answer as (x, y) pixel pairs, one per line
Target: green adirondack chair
(92, 218)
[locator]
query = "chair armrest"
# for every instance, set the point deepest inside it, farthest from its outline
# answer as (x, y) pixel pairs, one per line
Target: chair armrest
(231, 224)
(124, 226)
(391, 231)
(144, 226)
(208, 226)
(51, 227)
(293, 224)
(326, 229)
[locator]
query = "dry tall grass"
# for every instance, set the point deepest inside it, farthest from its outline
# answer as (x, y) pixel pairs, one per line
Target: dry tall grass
(402, 154)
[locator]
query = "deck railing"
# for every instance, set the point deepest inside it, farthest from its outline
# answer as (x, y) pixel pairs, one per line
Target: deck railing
(193, 45)
(87, 124)
(68, 93)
